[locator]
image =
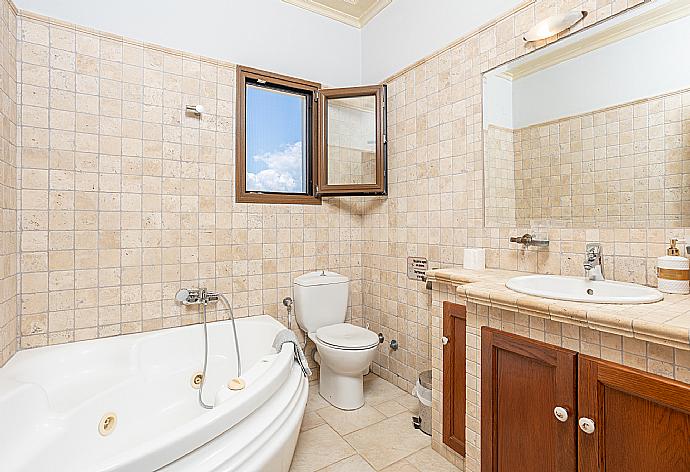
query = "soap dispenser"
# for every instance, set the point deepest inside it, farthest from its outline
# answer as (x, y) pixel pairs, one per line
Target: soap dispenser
(673, 271)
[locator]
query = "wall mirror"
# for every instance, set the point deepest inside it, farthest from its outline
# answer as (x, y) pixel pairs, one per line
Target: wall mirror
(593, 130)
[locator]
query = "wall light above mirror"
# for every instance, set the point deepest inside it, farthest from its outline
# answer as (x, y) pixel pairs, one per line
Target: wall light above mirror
(553, 25)
(593, 131)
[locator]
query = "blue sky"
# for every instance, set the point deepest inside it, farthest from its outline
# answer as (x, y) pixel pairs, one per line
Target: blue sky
(275, 135)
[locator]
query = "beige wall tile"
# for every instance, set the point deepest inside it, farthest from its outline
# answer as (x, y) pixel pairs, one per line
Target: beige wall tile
(436, 202)
(133, 199)
(11, 176)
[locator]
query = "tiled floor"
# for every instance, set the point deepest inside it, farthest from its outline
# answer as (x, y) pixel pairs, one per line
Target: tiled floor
(377, 437)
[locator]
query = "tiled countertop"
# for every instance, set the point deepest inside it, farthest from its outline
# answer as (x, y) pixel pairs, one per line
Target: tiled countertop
(665, 322)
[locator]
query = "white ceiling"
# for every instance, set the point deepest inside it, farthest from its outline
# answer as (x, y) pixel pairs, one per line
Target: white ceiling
(352, 12)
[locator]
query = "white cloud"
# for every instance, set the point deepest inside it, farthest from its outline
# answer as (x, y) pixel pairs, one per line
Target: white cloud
(270, 180)
(282, 173)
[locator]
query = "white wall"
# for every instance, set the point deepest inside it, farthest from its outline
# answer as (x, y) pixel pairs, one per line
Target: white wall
(267, 34)
(407, 30)
(498, 101)
(645, 65)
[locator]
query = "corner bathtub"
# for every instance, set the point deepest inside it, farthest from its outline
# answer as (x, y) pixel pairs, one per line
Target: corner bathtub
(52, 401)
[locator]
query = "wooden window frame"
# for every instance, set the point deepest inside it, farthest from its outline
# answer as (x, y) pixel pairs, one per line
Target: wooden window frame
(378, 188)
(300, 85)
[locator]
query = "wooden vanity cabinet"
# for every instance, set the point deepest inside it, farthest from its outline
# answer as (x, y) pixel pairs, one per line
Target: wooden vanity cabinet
(617, 419)
(522, 382)
(454, 325)
(641, 421)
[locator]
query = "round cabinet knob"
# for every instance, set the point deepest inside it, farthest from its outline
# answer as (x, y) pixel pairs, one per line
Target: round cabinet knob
(444, 340)
(561, 414)
(586, 425)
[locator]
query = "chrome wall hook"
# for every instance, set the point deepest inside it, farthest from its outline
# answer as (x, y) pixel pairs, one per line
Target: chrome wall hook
(197, 110)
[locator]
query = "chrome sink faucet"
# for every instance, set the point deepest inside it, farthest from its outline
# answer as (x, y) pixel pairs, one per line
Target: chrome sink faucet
(594, 258)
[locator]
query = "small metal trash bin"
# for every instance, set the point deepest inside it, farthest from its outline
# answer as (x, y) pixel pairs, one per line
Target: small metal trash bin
(422, 390)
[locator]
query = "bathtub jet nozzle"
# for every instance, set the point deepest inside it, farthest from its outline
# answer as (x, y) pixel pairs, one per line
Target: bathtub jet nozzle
(107, 424)
(197, 380)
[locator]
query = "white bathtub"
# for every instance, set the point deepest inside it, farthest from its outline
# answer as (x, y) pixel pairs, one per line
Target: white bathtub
(52, 400)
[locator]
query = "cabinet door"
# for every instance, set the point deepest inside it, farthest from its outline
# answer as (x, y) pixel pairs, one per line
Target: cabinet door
(641, 421)
(523, 381)
(454, 323)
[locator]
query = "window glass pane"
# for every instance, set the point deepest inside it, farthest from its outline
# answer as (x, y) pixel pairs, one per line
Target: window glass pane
(276, 141)
(352, 140)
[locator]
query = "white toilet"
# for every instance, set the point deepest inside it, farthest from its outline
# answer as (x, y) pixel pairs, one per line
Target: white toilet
(344, 350)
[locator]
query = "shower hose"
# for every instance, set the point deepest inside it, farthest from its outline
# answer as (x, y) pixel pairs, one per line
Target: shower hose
(237, 348)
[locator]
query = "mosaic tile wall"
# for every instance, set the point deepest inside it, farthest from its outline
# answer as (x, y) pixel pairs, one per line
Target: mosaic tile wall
(125, 198)
(649, 357)
(624, 166)
(435, 206)
(348, 165)
(8, 181)
(501, 183)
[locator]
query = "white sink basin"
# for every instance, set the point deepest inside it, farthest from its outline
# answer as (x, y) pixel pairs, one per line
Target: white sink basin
(579, 289)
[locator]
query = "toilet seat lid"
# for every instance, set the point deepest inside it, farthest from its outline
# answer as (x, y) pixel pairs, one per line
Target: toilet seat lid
(347, 336)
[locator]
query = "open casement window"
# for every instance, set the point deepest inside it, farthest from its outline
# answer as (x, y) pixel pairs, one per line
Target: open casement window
(296, 142)
(352, 141)
(277, 138)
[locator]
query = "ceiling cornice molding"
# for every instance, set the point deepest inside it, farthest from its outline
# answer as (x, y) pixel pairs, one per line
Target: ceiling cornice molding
(374, 10)
(358, 21)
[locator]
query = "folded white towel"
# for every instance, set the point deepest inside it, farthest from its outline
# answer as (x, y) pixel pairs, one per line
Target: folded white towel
(287, 336)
